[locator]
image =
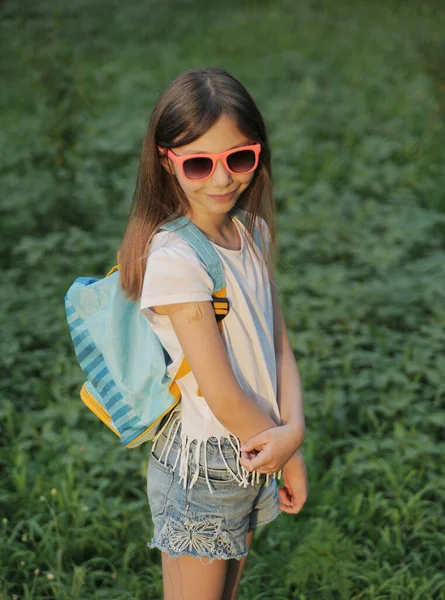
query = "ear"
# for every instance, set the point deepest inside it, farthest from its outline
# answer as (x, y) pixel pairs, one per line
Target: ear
(163, 159)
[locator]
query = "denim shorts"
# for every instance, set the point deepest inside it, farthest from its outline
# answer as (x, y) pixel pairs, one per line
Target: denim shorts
(195, 521)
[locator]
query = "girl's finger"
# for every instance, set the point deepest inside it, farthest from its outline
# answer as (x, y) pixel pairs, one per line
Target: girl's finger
(292, 504)
(247, 455)
(286, 506)
(257, 462)
(285, 498)
(296, 507)
(245, 460)
(292, 510)
(256, 440)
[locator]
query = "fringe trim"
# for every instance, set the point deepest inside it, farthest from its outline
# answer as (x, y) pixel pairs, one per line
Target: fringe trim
(241, 476)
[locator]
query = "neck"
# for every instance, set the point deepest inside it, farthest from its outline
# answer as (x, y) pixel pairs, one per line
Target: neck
(217, 226)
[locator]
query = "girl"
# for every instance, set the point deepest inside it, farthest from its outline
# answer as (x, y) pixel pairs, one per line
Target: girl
(212, 473)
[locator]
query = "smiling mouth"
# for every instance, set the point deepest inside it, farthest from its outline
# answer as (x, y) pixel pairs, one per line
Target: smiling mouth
(222, 195)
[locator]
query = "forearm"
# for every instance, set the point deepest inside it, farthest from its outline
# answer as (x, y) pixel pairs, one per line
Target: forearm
(289, 390)
(243, 417)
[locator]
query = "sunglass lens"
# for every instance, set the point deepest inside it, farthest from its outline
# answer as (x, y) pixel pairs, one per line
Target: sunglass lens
(197, 168)
(241, 161)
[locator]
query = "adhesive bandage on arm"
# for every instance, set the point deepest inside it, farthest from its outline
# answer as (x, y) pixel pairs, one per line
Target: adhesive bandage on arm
(186, 312)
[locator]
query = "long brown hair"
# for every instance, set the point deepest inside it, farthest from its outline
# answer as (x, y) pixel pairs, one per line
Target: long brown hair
(188, 107)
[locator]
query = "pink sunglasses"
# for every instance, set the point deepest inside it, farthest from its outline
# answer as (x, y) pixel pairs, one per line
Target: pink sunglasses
(197, 167)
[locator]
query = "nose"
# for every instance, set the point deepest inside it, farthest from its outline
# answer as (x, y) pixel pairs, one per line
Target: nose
(221, 176)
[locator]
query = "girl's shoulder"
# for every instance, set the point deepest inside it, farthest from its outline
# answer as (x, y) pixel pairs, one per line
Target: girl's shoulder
(174, 272)
(171, 241)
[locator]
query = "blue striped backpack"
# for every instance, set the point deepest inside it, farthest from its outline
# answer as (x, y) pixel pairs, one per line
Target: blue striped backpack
(125, 363)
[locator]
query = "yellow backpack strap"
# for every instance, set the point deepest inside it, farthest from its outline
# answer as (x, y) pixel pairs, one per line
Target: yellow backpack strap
(115, 268)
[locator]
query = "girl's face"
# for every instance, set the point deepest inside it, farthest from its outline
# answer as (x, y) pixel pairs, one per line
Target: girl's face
(220, 192)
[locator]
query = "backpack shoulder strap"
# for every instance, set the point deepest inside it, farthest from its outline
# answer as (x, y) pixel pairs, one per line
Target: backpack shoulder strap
(204, 249)
(199, 242)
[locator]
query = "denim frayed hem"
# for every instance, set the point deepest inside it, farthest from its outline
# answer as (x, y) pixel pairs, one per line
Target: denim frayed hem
(199, 536)
(171, 554)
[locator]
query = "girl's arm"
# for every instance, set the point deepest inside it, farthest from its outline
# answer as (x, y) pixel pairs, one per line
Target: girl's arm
(195, 326)
(276, 446)
(289, 391)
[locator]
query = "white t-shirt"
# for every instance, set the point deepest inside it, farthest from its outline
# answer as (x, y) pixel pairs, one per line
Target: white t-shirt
(174, 274)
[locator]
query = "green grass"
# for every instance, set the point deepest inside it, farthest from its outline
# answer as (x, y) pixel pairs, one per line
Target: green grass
(354, 96)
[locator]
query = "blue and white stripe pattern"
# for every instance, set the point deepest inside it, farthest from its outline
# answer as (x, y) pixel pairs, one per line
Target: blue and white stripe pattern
(92, 363)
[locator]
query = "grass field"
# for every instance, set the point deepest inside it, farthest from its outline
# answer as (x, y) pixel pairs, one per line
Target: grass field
(354, 97)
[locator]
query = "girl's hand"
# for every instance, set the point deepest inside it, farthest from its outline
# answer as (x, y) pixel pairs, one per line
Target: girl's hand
(271, 449)
(295, 491)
